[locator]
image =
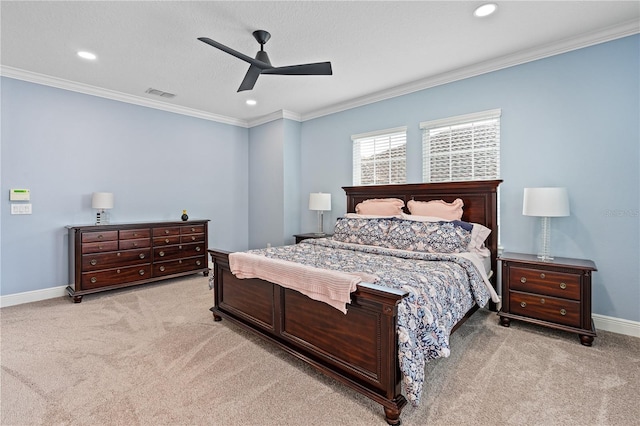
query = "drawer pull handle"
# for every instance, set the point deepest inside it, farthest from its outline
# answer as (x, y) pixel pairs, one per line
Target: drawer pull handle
(180, 261)
(135, 234)
(523, 304)
(198, 248)
(162, 269)
(542, 276)
(99, 247)
(563, 312)
(118, 254)
(100, 236)
(193, 238)
(93, 280)
(118, 271)
(93, 262)
(161, 253)
(198, 262)
(166, 231)
(141, 272)
(135, 244)
(193, 229)
(523, 280)
(563, 285)
(166, 240)
(141, 255)
(180, 247)
(542, 301)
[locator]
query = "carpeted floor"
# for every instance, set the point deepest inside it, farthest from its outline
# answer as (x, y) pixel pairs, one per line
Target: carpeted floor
(153, 355)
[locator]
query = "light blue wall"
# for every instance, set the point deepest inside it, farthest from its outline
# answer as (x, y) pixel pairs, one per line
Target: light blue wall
(570, 120)
(63, 146)
(274, 188)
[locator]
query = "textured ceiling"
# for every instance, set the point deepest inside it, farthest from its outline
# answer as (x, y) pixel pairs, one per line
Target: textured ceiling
(377, 49)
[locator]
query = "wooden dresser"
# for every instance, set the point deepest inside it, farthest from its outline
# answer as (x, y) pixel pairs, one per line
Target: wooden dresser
(106, 257)
(554, 293)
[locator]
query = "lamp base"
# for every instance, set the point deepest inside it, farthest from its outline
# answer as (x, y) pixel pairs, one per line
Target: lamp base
(545, 257)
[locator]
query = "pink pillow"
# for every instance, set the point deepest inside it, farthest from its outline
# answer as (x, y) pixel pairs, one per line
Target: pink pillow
(380, 206)
(437, 208)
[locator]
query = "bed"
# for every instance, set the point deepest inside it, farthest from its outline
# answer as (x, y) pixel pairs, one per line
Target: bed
(360, 348)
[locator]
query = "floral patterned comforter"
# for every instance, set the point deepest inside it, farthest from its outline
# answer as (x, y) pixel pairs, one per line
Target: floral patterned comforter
(441, 287)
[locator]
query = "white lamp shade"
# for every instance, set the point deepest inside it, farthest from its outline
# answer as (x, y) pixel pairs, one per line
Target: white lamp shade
(319, 201)
(545, 202)
(102, 200)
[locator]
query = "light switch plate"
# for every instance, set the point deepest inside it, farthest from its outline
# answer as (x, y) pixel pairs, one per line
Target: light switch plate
(21, 209)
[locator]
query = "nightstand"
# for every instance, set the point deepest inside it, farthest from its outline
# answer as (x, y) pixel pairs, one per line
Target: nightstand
(300, 237)
(555, 294)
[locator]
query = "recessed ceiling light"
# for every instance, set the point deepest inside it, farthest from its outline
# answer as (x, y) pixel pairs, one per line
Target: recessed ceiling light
(87, 55)
(485, 10)
(251, 102)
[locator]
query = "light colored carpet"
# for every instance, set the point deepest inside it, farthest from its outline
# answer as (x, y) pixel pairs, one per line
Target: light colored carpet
(153, 355)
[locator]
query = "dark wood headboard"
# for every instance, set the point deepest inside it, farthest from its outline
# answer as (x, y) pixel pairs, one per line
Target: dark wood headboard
(480, 202)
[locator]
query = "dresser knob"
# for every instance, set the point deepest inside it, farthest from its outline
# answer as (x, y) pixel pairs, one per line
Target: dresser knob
(542, 276)
(100, 236)
(523, 280)
(93, 262)
(99, 247)
(198, 248)
(166, 240)
(118, 254)
(141, 271)
(166, 231)
(162, 269)
(94, 280)
(193, 229)
(542, 301)
(523, 304)
(563, 312)
(198, 262)
(193, 238)
(141, 255)
(161, 253)
(135, 244)
(563, 286)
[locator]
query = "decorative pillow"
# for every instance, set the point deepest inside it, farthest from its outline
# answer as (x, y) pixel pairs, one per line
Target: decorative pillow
(380, 206)
(479, 235)
(431, 237)
(370, 216)
(371, 232)
(437, 208)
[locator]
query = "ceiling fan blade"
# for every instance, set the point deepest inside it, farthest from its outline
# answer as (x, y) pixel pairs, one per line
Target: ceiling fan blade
(318, 68)
(250, 78)
(256, 63)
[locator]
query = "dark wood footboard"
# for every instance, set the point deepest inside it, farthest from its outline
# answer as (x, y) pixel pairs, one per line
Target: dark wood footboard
(358, 349)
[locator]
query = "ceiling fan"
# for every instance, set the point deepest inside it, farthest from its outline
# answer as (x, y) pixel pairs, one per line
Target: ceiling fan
(262, 65)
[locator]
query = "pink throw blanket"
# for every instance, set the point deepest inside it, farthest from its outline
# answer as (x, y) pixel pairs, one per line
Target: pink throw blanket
(324, 285)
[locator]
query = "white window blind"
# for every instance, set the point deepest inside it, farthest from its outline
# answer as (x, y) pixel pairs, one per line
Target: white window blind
(465, 147)
(380, 157)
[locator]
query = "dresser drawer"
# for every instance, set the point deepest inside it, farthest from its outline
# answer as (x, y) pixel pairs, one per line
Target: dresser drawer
(192, 238)
(91, 280)
(100, 247)
(98, 236)
(545, 308)
(178, 251)
(134, 234)
(550, 283)
(166, 231)
(177, 266)
(166, 241)
(192, 229)
(134, 244)
(94, 262)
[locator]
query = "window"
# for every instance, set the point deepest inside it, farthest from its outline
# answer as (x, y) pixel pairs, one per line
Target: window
(380, 157)
(466, 147)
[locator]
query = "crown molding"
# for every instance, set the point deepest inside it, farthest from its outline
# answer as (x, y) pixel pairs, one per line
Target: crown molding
(87, 89)
(277, 115)
(558, 47)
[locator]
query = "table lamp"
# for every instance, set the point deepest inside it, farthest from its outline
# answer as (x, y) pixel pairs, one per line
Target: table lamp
(321, 203)
(102, 201)
(545, 203)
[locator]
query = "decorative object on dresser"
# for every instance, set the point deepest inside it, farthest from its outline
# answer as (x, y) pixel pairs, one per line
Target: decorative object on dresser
(184, 216)
(545, 203)
(552, 293)
(321, 203)
(102, 201)
(302, 237)
(107, 257)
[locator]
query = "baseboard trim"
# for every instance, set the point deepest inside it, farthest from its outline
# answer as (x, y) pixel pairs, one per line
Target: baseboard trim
(602, 322)
(616, 325)
(32, 296)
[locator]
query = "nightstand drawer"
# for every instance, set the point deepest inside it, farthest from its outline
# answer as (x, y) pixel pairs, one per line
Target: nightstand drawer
(546, 308)
(545, 282)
